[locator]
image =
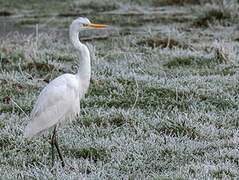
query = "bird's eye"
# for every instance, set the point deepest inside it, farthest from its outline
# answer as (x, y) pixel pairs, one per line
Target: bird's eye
(84, 24)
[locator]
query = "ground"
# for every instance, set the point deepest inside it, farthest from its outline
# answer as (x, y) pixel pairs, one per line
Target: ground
(163, 98)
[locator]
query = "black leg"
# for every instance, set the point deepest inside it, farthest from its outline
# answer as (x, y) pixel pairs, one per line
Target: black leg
(59, 152)
(53, 140)
(54, 143)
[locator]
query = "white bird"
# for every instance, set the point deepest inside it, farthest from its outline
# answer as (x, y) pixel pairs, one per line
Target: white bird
(59, 101)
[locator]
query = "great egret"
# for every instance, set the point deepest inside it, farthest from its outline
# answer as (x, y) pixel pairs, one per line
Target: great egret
(59, 101)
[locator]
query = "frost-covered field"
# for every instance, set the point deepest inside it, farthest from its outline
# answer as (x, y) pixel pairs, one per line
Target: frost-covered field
(163, 100)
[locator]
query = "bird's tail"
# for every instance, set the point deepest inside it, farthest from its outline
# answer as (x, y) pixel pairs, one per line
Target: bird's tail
(29, 133)
(37, 125)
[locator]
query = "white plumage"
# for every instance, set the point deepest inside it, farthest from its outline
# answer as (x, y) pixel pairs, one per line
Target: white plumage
(59, 101)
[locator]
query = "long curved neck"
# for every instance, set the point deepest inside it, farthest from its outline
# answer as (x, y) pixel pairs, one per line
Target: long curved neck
(84, 68)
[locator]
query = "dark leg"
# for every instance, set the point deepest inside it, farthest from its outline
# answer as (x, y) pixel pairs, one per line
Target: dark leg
(54, 143)
(53, 140)
(59, 152)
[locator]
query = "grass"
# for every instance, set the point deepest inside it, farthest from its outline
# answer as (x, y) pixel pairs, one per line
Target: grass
(163, 98)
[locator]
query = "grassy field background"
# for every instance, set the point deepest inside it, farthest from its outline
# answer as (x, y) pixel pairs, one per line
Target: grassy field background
(163, 99)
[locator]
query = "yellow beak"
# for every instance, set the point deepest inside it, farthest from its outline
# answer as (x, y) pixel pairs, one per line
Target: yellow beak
(98, 25)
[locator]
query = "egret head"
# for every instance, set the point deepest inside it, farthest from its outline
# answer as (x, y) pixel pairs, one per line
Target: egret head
(83, 22)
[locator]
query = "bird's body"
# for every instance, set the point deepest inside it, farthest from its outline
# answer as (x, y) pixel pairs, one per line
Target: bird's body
(59, 101)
